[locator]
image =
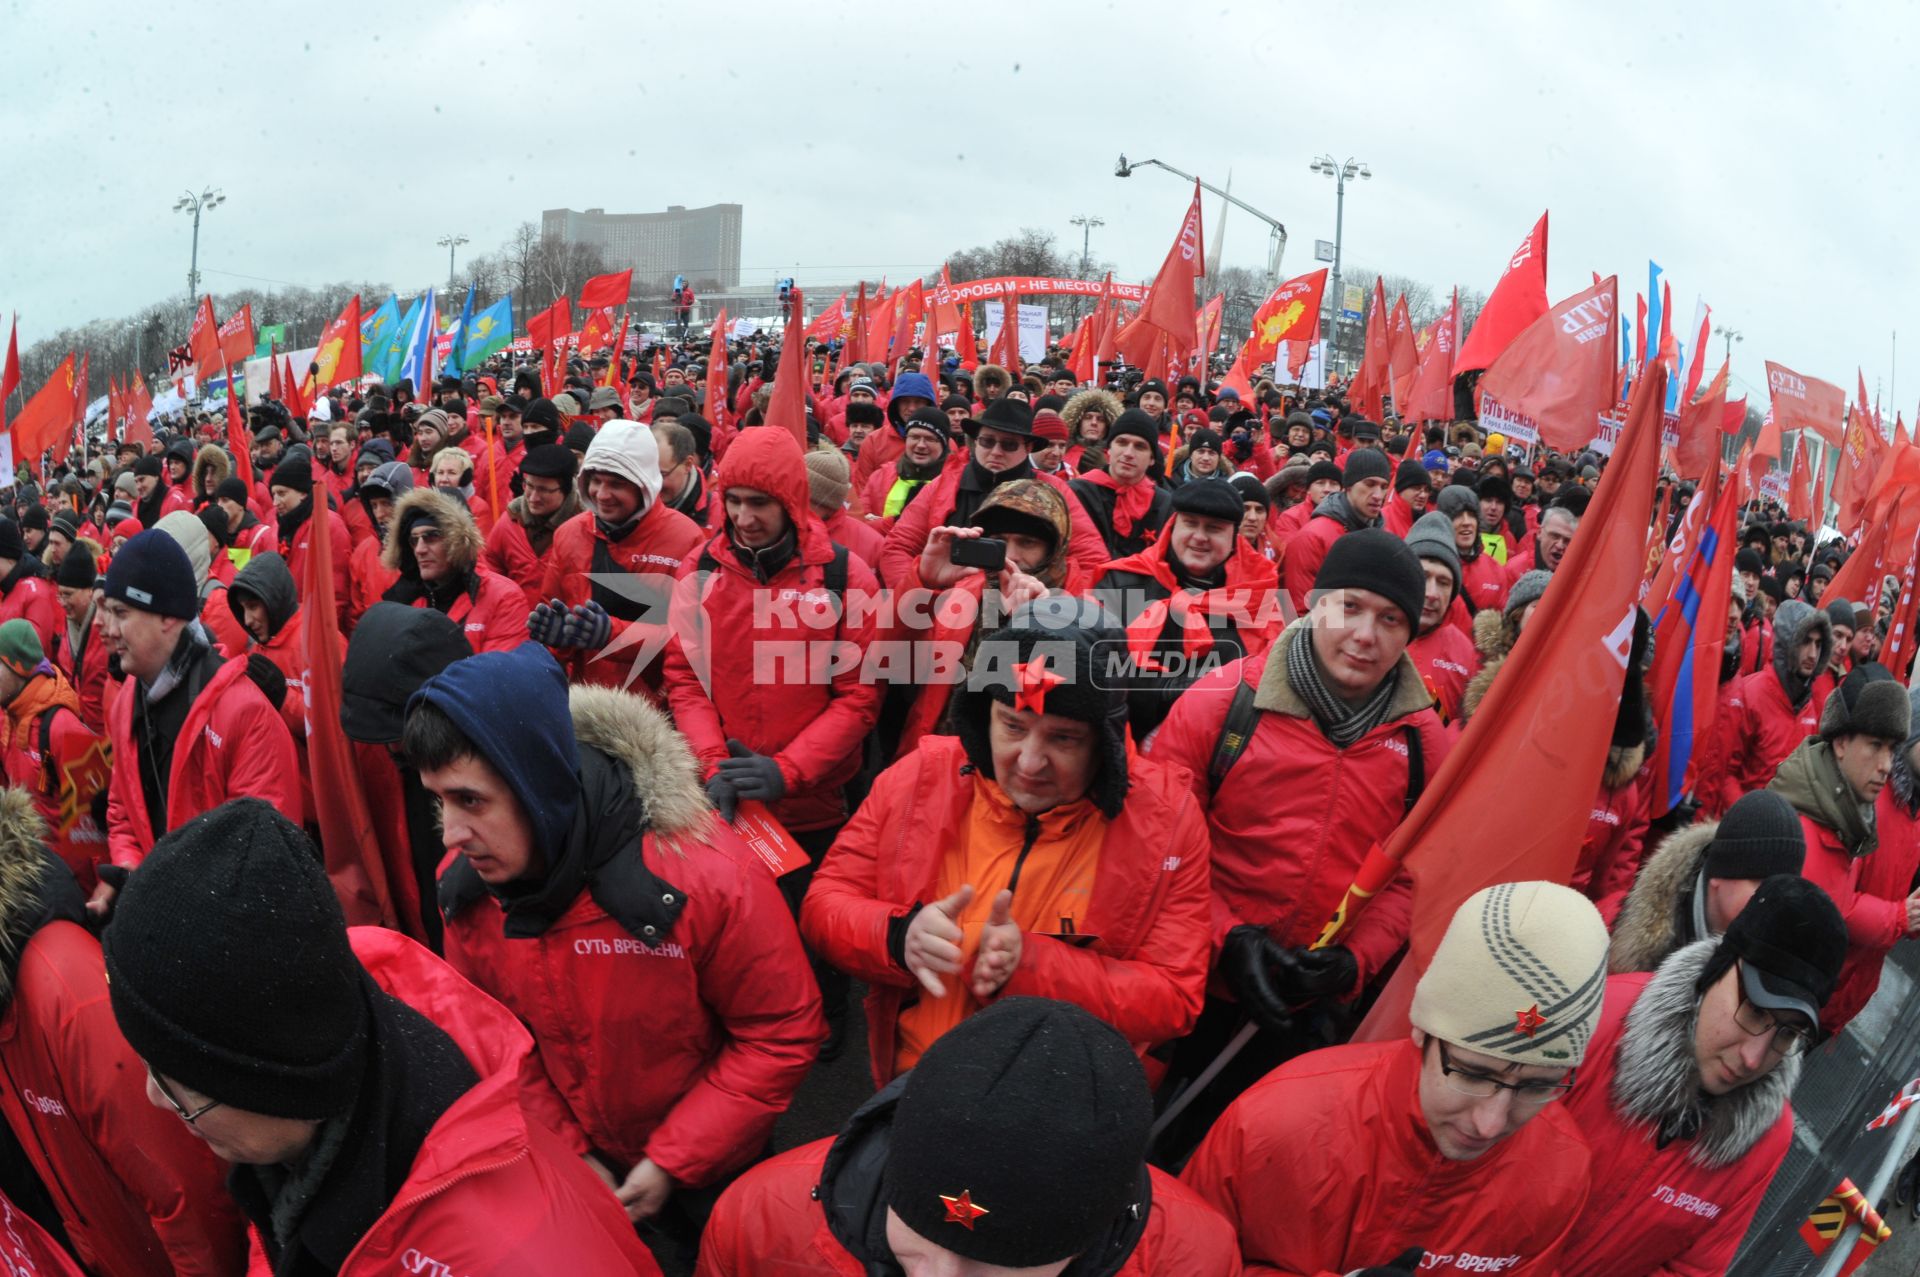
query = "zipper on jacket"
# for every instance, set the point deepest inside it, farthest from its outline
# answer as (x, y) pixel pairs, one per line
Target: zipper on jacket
(1026, 846)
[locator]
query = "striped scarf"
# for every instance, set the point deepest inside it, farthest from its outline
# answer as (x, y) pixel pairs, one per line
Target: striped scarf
(1339, 722)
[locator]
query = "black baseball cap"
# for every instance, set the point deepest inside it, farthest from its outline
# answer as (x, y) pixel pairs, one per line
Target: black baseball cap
(1791, 942)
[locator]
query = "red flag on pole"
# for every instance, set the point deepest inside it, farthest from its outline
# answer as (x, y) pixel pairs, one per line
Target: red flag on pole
(236, 336)
(1800, 487)
(10, 377)
(338, 356)
(1403, 355)
(49, 412)
(1807, 403)
(1536, 748)
(1169, 305)
(717, 376)
(1700, 429)
(139, 404)
(603, 292)
(1517, 300)
(1370, 381)
(1431, 398)
(1689, 631)
(787, 407)
(239, 438)
(203, 341)
(1559, 371)
(349, 843)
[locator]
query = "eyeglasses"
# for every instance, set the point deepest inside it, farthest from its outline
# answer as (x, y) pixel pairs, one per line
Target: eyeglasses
(425, 536)
(1755, 1022)
(1484, 1086)
(999, 443)
(174, 1103)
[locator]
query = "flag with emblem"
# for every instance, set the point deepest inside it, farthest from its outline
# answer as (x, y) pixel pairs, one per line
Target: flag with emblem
(1532, 751)
(338, 355)
(1689, 629)
(488, 334)
(456, 347)
(48, 413)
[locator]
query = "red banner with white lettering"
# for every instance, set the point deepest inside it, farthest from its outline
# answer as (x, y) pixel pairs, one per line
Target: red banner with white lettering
(1806, 403)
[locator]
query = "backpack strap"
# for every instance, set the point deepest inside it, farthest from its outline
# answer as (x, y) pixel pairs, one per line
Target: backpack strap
(1236, 731)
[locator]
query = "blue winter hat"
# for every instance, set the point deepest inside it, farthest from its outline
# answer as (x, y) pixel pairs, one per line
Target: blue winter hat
(152, 572)
(513, 706)
(908, 385)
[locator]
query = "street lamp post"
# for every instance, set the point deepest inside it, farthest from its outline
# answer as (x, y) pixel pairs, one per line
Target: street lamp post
(1276, 240)
(207, 200)
(1341, 173)
(450, 242)
(1732, 335)
(1086, 225)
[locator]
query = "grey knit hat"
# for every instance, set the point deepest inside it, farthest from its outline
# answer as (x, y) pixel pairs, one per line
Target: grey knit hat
(1528, 589)
(1431, 537)
(1456, 499)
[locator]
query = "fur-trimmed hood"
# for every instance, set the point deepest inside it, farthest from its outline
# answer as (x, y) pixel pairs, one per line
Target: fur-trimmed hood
(211, 467)
(1657, 916)
(666, 776)
(1657, 1082)
(1494, 638)
(463, 540)
(1076, 407)
(35, 887)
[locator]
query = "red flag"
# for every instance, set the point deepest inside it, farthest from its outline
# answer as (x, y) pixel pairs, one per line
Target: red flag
(1699, 364)
(550, 325)
(1518, 299)
(1864, 569)
(603, 292)
(349, 842)
(1006, 348)
(274, 390)
(943, 320)
(10, 377)
(297, 404)
(236, 336)
(239, 438)
(828, 323)
(203, 341)
(1685, 539)
(788, 405)
(338, 357)
(596, 331)
(1689, 631)
(1806, 403)
(1700, 429)
(49, 412)
(1536, 748)
(1898, 652)
(717, 374)
(1403, 354)
(1559, 371)
(1800, 486)
(907, 313)
(76, 410)
(879, 328)
(1206, 325)
(1370, 380)
(1431, 398)
(1819, 498)
(856, 343)
(1291, 312)
(1169, 305)
(139, 404)
(1861, 452)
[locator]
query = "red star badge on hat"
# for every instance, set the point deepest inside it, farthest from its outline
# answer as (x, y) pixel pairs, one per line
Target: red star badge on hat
(1529, 1020)
(1033, 679)
(962, 1211)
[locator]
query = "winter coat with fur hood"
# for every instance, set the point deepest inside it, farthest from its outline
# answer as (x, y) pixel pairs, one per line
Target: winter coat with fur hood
(489, 608)
(671, 1004)
(722, 660)
(137, 1193)
(211, 467)
(1677, 1174)
(1773, 710)
(1663, 910)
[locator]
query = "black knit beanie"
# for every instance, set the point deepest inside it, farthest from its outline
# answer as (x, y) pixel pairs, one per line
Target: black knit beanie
(231, 489)
(1209, 499)
(34, 516)
(1409, 475)
(1374, 559)
(11, 544)
(1323, 470)
(295, 472)
(77, 570)
(148, 466)
(1366, 463)
(152, 572)
(1021, 1136)
(1760, 836)
(1138, 424)
(229, 969)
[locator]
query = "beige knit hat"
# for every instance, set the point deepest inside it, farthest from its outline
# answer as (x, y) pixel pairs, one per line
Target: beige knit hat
(827, 477)
(1519, 975)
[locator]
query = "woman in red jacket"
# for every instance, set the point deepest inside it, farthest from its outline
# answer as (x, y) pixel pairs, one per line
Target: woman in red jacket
(1055, 861)
(136, 1192)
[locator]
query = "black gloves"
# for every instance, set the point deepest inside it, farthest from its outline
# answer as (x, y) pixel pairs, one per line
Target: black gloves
(266, 676)
(1247, 959)
(554, 624)
(751, 775)
(724, 797)
(545, 621)
(1407, 1263)
(1308, 975)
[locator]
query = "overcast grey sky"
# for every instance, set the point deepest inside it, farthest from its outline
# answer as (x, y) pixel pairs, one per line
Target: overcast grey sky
(1767, 160)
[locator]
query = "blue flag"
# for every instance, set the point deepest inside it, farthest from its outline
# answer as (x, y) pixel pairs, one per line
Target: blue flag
(385, 358)
(488, 333)
(416, 365)
(1652, 348)
(455, 364)
(377, 328)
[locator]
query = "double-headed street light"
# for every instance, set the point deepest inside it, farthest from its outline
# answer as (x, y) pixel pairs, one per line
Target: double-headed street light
(197, 204)
(1341, 173)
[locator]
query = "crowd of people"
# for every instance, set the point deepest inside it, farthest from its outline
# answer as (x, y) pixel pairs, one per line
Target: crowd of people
(1059, 718)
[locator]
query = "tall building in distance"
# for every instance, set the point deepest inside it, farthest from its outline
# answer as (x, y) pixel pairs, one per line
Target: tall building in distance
(700, 243)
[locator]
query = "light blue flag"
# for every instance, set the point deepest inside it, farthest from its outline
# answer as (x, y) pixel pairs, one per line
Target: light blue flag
(386, 358)
(1652, 350)
(455, 364)
(487, 334)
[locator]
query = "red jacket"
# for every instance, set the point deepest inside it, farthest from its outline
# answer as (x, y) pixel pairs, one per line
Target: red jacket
(31, 599)
(1887, 873)
(769, 1225)
(1144, 969)
(1485, 580)
(491, 612)
(1446, 659)
(1710, 754)
(367, 580)
(90, 680)
(933, 507)
(1761, 729)
(658, 543)
(1653, 1209)
(233, 743)
(1616, 834)
(66, 777)
(811, 717)
(885, 444)
(1875, 922)
(720, 1005)
(511, 554)
(1296, 816)
(1338, 1136)
(1398, 516)
(866, 544)
(137, 1192)
(1306, 552)
(295, 553)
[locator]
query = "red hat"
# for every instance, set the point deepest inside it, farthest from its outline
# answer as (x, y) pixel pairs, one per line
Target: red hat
(1050, 425)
